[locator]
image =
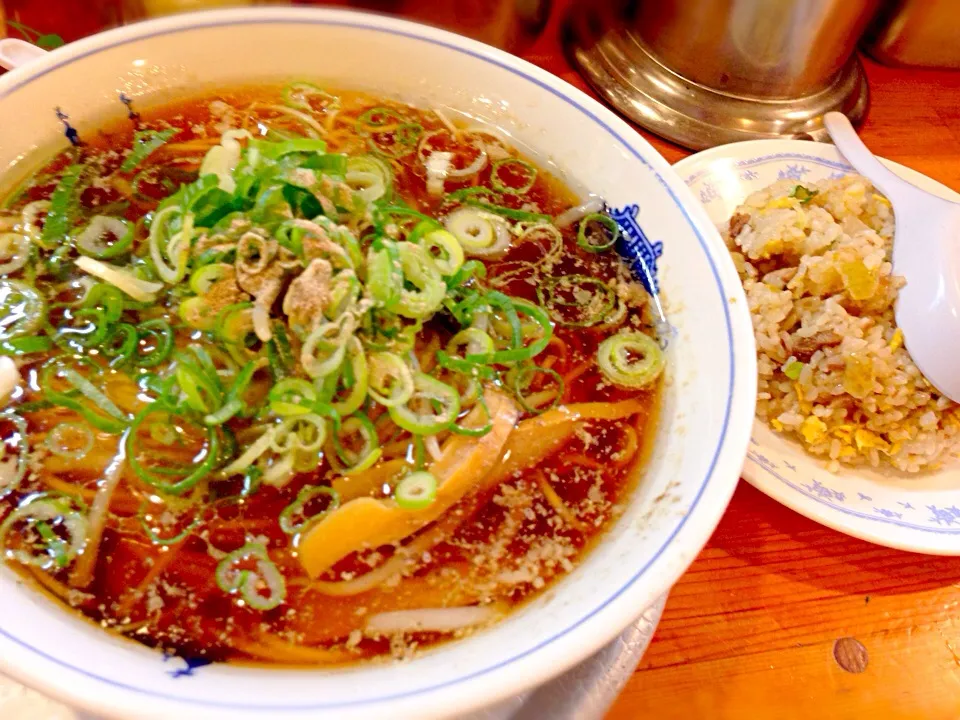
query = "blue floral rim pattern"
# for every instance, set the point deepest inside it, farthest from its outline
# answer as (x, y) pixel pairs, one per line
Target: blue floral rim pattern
(794, 172)
(721, 299)
(942, 520)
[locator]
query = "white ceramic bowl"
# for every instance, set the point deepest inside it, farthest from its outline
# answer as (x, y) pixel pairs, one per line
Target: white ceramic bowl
(909, 512)
(707, 410)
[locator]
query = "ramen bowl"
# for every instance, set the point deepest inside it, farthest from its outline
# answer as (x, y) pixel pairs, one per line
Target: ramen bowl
(706, 409)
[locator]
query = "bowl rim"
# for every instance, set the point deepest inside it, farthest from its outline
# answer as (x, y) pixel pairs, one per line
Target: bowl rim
(597, 625)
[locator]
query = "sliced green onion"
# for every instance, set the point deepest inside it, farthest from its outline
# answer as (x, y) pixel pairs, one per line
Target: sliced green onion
(370, 177)
(793, 370)
(262, 444)
(354, 377)
(403, 140)
(416, 491)
(233, 403)
(89, 335)
(25, 345)
(390, 379)
(476, 431)
(343, 237)
(306, 96)
(419, 453)
(108, 297)
(63, 206)
(402, 211)
(471, 341)
(261, 587)
(22, 309)
(512, 167)
(368, 454)
(305, 433)
(475, 192)
(236, 328)
(197, 313)
(55, 546)
(598, 239)
(163, 434)
(450, 257)
(478, 232)
(145, 143)
(11, 480)
(199, 393)
(121, 343)
(233, 323)
(466, 273)
(324, 349)
(166, 243)
(384, 274)
(470, 390)
(518, 352)
(202, 278)
(345, 291)
(293, 518)
(509, 213)
(221, 161)
(105, 417)
(30, 221)
(420, 271)
(433, 407)
(229, 409)
(170, 477)
(39, 515)
(631, 359)
(803, 194)
(276, 150)
(93, 394)
(70, 440)
(279, 352)
(421, 229)
(522, 381)
(206, 364)
(251, 481)
(376, 119)
(292, 396)
(162, 334)
(15, 251)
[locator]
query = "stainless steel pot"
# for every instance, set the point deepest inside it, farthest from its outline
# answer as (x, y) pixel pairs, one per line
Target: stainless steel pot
(705, 72)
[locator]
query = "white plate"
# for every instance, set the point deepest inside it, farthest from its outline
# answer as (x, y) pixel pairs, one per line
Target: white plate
(918, 513)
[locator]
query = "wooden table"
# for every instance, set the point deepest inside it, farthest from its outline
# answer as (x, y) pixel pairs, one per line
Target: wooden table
(751, 630)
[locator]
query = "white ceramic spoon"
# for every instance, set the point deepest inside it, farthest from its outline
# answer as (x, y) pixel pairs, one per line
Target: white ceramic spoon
(14, 53)
(926, 252)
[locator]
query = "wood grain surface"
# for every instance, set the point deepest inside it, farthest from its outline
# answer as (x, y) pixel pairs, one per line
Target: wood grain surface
(752, 629)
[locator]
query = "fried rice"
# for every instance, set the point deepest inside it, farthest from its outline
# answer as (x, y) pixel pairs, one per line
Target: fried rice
(814, 259)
